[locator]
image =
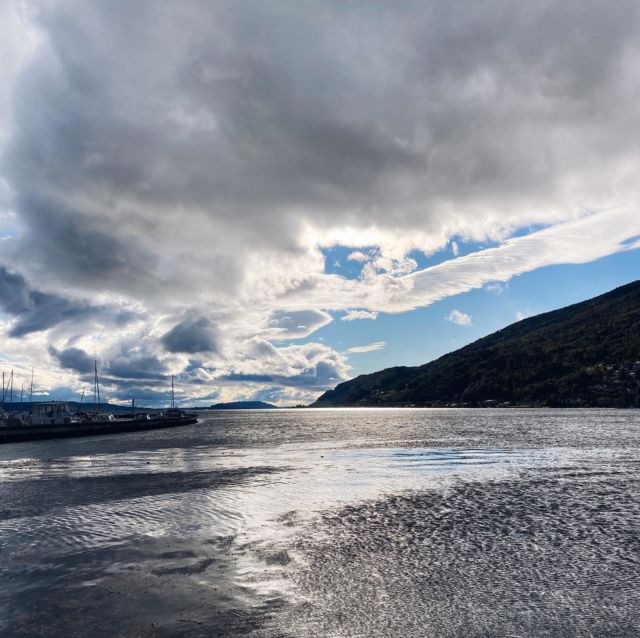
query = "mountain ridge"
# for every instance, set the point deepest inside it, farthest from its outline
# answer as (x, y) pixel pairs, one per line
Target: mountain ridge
(583, 355)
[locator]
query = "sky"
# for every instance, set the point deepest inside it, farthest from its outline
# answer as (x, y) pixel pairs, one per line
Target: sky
(265, 199)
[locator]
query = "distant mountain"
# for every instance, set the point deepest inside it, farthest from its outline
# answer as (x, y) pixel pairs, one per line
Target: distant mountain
(587, 354)
(244, 405)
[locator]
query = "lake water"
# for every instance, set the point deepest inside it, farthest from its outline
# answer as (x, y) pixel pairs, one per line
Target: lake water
(332, 522)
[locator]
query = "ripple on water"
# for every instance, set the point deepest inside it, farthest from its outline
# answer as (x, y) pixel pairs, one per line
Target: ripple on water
(535, 556)
(332, 523)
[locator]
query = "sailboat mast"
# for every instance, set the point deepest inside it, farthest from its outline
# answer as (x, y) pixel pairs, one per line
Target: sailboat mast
(31, 394)
(97, 392)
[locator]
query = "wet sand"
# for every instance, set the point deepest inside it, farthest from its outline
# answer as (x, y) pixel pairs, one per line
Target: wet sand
(329, 523)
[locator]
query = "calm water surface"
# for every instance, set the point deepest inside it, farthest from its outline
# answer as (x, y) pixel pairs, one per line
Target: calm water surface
(381, 522)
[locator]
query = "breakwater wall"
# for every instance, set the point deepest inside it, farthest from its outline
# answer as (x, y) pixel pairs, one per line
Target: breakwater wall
(17, 434)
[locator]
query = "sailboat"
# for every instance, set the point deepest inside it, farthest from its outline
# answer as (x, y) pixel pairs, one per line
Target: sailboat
(173, 412)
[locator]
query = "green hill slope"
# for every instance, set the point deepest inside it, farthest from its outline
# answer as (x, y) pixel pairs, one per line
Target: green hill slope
(586, 354)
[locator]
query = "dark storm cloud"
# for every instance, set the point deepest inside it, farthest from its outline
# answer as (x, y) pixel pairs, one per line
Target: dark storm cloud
(130, 362)
(191, 336)
(134, 364)
(73, 359)
(34, 310)
(79, 249)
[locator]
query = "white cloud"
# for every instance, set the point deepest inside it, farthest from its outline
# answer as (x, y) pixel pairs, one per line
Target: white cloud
(372, 347)
(522, 314)
(583, 240)
(352, 315)
(459, 318)
(295, 324)
(358, 255)
(496, 287)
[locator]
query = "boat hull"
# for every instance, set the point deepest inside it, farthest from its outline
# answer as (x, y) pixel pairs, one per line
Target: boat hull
(63, 431)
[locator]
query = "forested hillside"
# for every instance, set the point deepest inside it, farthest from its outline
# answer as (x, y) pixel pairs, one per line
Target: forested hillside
(586, 354)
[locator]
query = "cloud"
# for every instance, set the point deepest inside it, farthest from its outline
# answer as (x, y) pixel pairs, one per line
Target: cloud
(261, 147)
(372, 347)
(459, 318)
(381, 263)
(496, 287)
(35, 311)
(73, 359)
(352, 315)
(522, 314)
(296, 324)
(580, 241)
(358, 255)
(191, 336)
(136, 365)
(18, 41)
(311, 365)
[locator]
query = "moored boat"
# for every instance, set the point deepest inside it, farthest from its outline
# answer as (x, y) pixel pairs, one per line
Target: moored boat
(54, 419)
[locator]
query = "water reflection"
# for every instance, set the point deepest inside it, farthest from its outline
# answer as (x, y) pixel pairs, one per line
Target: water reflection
(280, 531)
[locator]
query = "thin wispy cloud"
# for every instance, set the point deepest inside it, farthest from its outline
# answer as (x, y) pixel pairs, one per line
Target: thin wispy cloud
(496, 287)
(372, 347)
(353, 315)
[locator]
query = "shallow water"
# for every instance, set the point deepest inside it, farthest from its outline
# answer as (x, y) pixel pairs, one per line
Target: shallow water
(328, 523)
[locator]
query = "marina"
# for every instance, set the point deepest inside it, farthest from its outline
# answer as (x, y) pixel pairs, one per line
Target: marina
(56, 419)
(66, 426)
